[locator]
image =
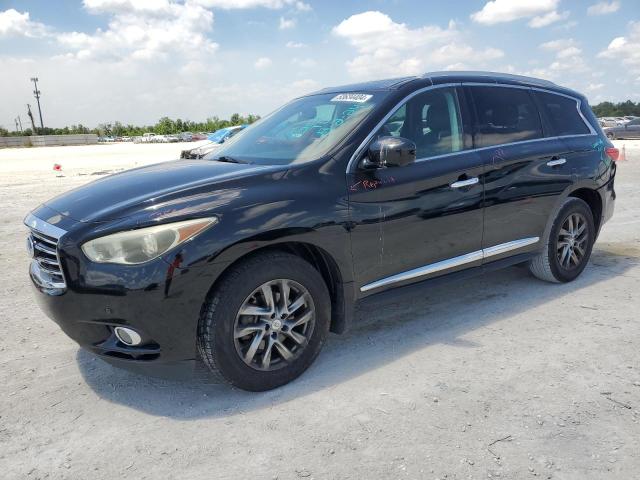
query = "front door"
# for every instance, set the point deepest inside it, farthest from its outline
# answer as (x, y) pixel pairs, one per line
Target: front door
(423, 219)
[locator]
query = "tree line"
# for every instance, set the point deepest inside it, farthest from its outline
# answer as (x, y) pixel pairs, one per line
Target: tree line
(622, 109)
(168, 126)
(164, 126)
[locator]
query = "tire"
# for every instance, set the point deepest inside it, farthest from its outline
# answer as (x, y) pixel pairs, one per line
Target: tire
(231, 358)
(611, 136)
(552, 264)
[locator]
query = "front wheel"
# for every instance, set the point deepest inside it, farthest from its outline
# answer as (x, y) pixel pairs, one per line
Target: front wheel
(265, 322)
(611, 136)
(568, 247)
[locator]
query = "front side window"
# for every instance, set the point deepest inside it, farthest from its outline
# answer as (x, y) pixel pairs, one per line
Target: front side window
(304, 130)
(562, 114)
(431, 120)
(505, 115)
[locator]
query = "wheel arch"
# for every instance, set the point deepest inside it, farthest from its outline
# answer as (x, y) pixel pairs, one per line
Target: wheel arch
(340, 289)
(586, 191)
(592, 198)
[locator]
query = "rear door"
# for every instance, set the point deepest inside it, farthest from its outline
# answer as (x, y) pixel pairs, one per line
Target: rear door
(525, 169)
(563, 118)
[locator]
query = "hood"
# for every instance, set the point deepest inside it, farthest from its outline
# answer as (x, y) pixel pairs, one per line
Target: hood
(116, 196)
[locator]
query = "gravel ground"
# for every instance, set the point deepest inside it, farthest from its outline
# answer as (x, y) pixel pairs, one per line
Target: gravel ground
(500, 376)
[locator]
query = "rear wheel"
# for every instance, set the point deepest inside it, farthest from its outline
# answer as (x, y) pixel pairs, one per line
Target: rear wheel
(266, 322)
(568, 248)
(611, 136)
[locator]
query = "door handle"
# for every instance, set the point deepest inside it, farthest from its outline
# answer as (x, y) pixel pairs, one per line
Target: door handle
(557, 161)
(465, 183)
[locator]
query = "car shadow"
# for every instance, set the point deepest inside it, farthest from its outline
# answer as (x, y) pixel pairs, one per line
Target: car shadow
(385, 329)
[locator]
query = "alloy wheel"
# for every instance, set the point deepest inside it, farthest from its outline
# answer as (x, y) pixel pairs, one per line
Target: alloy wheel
(274, 324)
(572, 241)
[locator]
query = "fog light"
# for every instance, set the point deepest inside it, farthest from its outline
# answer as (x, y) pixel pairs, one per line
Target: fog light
(127, 336)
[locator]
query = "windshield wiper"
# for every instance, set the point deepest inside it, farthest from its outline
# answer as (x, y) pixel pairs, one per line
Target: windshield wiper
(228, 159)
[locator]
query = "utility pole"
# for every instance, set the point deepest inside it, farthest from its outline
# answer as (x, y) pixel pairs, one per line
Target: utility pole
(20, 123)
(36, 93)
(33, 124)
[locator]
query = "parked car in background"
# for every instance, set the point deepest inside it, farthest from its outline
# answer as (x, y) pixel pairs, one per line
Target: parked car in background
(629, 130)
(146, 138)
(216, 138)
(249, 258)
(199, 136)
(607, 122)
(186, 136)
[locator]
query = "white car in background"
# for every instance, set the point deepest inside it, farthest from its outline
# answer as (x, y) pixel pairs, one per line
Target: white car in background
(146, 138)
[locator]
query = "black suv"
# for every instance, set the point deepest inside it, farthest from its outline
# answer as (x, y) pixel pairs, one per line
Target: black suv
(247, 259)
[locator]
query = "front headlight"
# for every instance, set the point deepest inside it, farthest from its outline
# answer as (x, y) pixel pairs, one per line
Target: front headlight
(139, 246)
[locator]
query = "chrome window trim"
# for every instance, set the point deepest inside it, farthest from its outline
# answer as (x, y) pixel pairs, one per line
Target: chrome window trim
(390, 114)
(451, 263)
(578, 107)
(368, 138)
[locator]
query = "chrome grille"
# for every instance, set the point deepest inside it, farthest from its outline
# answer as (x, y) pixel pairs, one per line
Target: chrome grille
(43, 245)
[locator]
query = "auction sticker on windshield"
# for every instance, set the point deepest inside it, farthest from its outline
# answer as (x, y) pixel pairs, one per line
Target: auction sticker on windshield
(351, 97)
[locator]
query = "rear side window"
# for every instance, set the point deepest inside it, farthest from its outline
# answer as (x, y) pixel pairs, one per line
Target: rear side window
(505, 115)
(562, 114)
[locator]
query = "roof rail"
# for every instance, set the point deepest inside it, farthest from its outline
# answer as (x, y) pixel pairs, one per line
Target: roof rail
(496, 76)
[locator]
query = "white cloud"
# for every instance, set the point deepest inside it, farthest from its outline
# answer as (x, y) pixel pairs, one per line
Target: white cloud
(304, 62)
(603, 8)
(592, 87)
(559, 44)
(16, 24)
(143, 30)
(626, 49)
(126, 6)
(262, 63)
(291, 44)
(387, 48)
(304, 86)
(568, 52)
(499, 11)
(303, 7)
(286, 23)
(547, 19)
(242, 4)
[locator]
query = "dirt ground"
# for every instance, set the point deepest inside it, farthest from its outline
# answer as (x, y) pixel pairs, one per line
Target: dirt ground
(502, 376)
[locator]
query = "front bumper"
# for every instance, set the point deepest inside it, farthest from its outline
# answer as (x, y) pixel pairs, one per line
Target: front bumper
(160, 301)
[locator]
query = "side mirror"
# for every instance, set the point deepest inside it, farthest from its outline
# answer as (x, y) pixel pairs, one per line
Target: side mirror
(390, 152)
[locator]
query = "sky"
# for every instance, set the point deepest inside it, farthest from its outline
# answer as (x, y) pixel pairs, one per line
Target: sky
(135, 61)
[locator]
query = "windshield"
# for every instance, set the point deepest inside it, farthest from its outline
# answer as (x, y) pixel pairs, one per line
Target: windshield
(301, 131)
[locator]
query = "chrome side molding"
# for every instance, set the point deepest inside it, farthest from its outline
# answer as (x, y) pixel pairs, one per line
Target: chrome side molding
(451, 263)
(507, 247)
